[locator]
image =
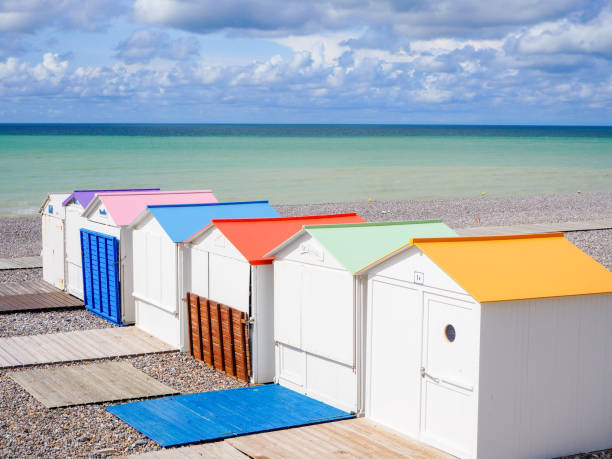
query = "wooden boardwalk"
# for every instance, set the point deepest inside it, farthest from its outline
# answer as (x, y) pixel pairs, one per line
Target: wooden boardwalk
(32, 295)
(20, 263)
(215, 450)
(84, 384)
(533, 228)
(72, 346)
(359, 438)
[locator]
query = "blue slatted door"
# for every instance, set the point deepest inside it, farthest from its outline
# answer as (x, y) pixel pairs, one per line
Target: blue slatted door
(100, 254)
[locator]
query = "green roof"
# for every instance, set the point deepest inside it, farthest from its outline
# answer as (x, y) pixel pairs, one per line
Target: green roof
(357, 245)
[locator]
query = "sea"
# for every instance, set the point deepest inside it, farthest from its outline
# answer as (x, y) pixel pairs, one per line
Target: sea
(302, 163)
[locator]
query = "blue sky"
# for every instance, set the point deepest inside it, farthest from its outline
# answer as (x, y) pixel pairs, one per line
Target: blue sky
(317, 61)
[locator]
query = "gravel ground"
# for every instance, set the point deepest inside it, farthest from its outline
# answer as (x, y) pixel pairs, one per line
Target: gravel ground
(28, 429)
(598, 244)
(20, 237)
(465, 212)
(55, 321)
(20, 275)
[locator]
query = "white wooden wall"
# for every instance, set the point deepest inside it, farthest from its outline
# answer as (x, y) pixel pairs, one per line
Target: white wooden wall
(74, 274)
(314, 324)
(53, 250)
(545, 378)
(155, 283)
(197, 271)
(229, 273)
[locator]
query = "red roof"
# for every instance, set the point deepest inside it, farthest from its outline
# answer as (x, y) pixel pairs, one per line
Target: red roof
(254, 237)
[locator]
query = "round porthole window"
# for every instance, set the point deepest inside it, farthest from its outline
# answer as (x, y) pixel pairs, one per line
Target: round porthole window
(449, 331)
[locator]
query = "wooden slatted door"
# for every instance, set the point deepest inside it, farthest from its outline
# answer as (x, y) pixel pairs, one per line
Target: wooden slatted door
(100, 264)
(219, 336)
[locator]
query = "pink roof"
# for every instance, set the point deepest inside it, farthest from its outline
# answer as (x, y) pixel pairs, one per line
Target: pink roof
(125, 207)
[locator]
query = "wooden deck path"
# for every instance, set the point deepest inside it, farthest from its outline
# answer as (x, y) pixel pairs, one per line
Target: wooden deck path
(84, 384)
(20, 263)
(35, 294)
(72, 346)
(360, 438)
(215, 450)
(563, 227)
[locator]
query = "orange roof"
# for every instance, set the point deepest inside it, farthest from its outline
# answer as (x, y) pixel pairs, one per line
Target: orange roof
(255, 237)
(503, 268)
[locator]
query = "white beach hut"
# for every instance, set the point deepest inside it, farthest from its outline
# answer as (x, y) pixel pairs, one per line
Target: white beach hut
(491, 346)
(160, 268)
(106, 247)
(227, 264)
(319, 303)
(53, 221)
(74, 206)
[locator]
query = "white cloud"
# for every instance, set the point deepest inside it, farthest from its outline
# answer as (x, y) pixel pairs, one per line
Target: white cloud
(28, 16)
(565, 36)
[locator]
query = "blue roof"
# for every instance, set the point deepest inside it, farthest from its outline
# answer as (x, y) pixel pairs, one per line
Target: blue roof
(181, 221)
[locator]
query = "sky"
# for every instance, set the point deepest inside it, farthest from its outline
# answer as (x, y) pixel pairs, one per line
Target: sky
(315, 61)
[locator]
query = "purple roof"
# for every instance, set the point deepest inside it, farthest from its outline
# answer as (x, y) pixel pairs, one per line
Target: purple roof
(84, 197)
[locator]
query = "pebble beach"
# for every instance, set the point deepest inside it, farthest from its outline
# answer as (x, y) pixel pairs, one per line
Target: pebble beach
(28, 429)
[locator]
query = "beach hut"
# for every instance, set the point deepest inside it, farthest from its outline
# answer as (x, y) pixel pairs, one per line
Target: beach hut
(52, 219)
(159, 261)
(227, 265)
(106, 247)
(318, 303)
(74, 206)
(491, 346)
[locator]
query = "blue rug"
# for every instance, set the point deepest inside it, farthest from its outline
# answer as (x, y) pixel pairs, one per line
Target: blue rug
(208, 416)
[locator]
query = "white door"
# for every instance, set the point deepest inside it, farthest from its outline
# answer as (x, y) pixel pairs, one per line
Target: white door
(450, 344)
(74, 273)
(53, 250)
(393, 385)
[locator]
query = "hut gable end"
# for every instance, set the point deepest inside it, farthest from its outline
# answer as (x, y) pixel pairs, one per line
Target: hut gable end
(414, 267)
(98, 213)
(214, 241)
(306, 249)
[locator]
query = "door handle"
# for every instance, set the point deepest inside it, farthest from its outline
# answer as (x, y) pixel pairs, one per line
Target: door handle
(424, 374)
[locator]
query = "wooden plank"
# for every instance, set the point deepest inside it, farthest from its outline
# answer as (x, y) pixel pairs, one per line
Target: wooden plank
(37, 301)
(15, 347)
(350, 438)
(64, 350)
(78, 345)
(215, 450)
(21, 263)
(85, 384)
(81, 346)
(116, 344)
(146, 343)
(207, 347)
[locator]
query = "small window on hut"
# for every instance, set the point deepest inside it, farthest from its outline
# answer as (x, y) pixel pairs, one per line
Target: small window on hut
(449, 331)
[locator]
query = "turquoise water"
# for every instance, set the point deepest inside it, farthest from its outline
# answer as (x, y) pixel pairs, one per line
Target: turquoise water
(289, 164)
